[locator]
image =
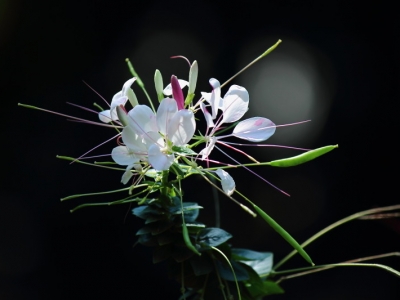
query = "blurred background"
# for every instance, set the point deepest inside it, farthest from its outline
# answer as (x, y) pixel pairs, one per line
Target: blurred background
(337, 66)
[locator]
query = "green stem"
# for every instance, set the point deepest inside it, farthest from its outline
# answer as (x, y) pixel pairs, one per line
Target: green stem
(253, 62)
(326, 268)
(93, 194)
(334, 225)
(329, 266)
(233, 271)
(85, 163)
(139, 82)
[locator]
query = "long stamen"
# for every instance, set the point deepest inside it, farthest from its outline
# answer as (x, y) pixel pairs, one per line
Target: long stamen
(268, 145)
(94, 148)
(181, 56)
(240, 151)
(263, 179)
(95, 156)
(84, 108)
(68, 116)
(96, 92)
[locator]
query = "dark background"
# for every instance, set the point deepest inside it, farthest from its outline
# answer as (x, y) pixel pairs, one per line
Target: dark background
(350, 54)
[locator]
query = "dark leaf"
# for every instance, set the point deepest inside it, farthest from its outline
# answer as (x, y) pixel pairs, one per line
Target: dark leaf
(246, 254)
(213, 237)
(201, 265)
(226, 272)
(162, 253)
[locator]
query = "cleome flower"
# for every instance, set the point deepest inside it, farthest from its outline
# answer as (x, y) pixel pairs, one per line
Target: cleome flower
(150, 137)
(233, 106)
(119, 98)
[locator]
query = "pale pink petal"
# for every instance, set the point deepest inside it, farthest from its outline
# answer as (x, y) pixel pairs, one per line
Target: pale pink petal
(105, 116)
(235, 104)
(207, 115)
(123, 156)
(128, 92)
(168, 107)
(142, 119)
(209, 147)
(255, 129)
(127, 174)
(133, 141)
(181, 127)
(159, 160)
(151, 138)
(215, 98)
(227, 182)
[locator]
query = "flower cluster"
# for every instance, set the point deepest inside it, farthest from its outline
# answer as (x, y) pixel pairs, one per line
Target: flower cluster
(156, 140)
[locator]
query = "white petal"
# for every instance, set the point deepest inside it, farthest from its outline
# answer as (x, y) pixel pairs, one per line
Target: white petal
(255, 129)
(127, 174)
(159, 160)
(181, 127)
(105, 116)
(142, 119)
(126, 93)
(168, 107)
(151, 138)
(207, 115)
(133, 141)
(227, 182)
(127, 86)
(215, 98)
(209, 147)
(235, 104)
(168, 89)
(123, 156)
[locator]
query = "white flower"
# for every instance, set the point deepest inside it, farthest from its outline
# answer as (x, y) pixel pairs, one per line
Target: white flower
(151, 136)
(119, 98)
(233, 106)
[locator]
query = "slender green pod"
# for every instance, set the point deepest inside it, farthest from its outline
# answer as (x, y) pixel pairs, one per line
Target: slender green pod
(284, 234)
(302, 158)
(186, 238)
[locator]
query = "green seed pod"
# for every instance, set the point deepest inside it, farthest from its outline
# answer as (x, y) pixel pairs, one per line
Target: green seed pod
(302, 158)
(284, 234)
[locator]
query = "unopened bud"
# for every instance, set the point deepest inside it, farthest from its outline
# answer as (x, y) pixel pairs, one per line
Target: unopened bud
(158, 82)
(193, 73)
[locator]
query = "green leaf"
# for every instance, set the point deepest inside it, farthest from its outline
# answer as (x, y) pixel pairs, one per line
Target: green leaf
(182, 253)
(148, 240)
(160, 227)
(144, 211)
(212, 237)
(272, 287)
(183, 150)
(176, 169)
(225, 271)
(302, 158)
(261, 266)
(166, 238)
(246, 254)
(195, 227)
(190, 211)
(162, 253)
(255, 284)
(284, 234)
(201, 265)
